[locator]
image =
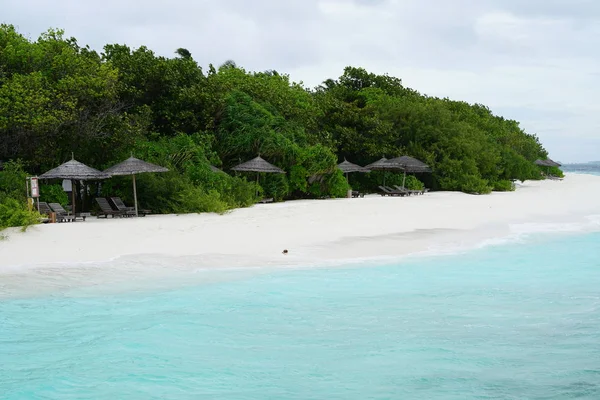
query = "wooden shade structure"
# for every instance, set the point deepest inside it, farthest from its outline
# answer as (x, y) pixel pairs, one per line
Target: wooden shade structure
(74, 171)
(547, 163)
(347, 167)
(258, 165)
(409, 164)
(133, 166)
(383, 165)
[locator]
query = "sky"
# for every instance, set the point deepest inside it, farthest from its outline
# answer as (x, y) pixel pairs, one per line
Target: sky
(535, 61)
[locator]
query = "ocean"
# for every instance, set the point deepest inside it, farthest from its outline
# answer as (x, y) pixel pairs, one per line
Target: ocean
(518, 320)
(592, 168)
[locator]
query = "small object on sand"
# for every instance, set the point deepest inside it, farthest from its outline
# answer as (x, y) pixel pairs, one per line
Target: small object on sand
(284, 251)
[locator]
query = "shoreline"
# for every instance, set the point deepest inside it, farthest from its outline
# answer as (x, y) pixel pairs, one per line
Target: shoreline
(316, 232)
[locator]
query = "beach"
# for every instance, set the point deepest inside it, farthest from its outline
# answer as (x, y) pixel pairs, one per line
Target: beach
(441, 296)
(313, 231)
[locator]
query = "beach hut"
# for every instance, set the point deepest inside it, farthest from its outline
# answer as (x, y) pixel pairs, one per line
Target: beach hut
(133, 166)
(258, 165)
(74, 171)
(410, 165)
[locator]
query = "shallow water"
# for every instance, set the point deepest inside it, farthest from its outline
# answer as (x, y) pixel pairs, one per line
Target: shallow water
(519, 321)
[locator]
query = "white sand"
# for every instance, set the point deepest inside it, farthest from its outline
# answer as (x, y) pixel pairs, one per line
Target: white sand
(314, 231)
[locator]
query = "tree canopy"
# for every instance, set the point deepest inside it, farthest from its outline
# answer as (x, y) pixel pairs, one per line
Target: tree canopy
(58, 97)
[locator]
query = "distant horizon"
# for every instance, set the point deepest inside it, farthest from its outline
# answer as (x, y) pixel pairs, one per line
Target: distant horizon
(581, 163)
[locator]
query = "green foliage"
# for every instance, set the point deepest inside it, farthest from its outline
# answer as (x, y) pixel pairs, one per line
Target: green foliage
(53, 194)
(57, 97)
(334, 185)
(503, 186)
(13, 181)
(195, 200)
(15, 213)
(13, 200)
(556, 172)
(413, 183)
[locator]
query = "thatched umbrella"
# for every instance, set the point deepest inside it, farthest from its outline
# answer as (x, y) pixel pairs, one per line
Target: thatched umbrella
(383, 165)
(547, 163)
(258, 165)
(409, 164)
(75, 171)
(133, 166)
(347, 167)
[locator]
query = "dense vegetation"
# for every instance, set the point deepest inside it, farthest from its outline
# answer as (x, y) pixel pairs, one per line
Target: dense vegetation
(57, 97)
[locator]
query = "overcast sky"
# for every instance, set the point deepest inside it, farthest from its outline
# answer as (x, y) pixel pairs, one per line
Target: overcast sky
(536, 61)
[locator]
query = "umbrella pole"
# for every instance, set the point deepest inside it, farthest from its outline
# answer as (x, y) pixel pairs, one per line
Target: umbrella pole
(73, 188)
(257, 184)
(404, 180)
(135, 195)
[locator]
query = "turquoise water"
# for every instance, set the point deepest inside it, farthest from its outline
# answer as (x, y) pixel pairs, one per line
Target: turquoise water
(519, 321)
(587, 168)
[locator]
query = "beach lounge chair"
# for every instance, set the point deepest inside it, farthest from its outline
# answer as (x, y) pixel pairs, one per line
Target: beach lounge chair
(356, 193)
(45, 211)
(127, 211)
(62, 215)
(402, 190)
(398, 192)
(45, 208)
(106, 209)
(386, 191)
(408, 191)
(267, 200)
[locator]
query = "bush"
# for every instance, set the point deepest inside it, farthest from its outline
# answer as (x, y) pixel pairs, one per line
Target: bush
(557, 172)
(54, 194)
(503, 186)
(13, 198)
(12, 181)
(15, 213)
(275, 186)
(412, 183)
(195, 200)
(238, 192)
(474, 185)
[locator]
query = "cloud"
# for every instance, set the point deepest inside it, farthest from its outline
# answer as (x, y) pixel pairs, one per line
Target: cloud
(533, 60)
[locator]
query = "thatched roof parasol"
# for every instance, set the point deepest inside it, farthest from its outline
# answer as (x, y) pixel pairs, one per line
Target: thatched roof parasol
(133, 166)
(258, 164)
(74, 170)
(347, 167)
(382, 165)
(409, 164)
(547, 163)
